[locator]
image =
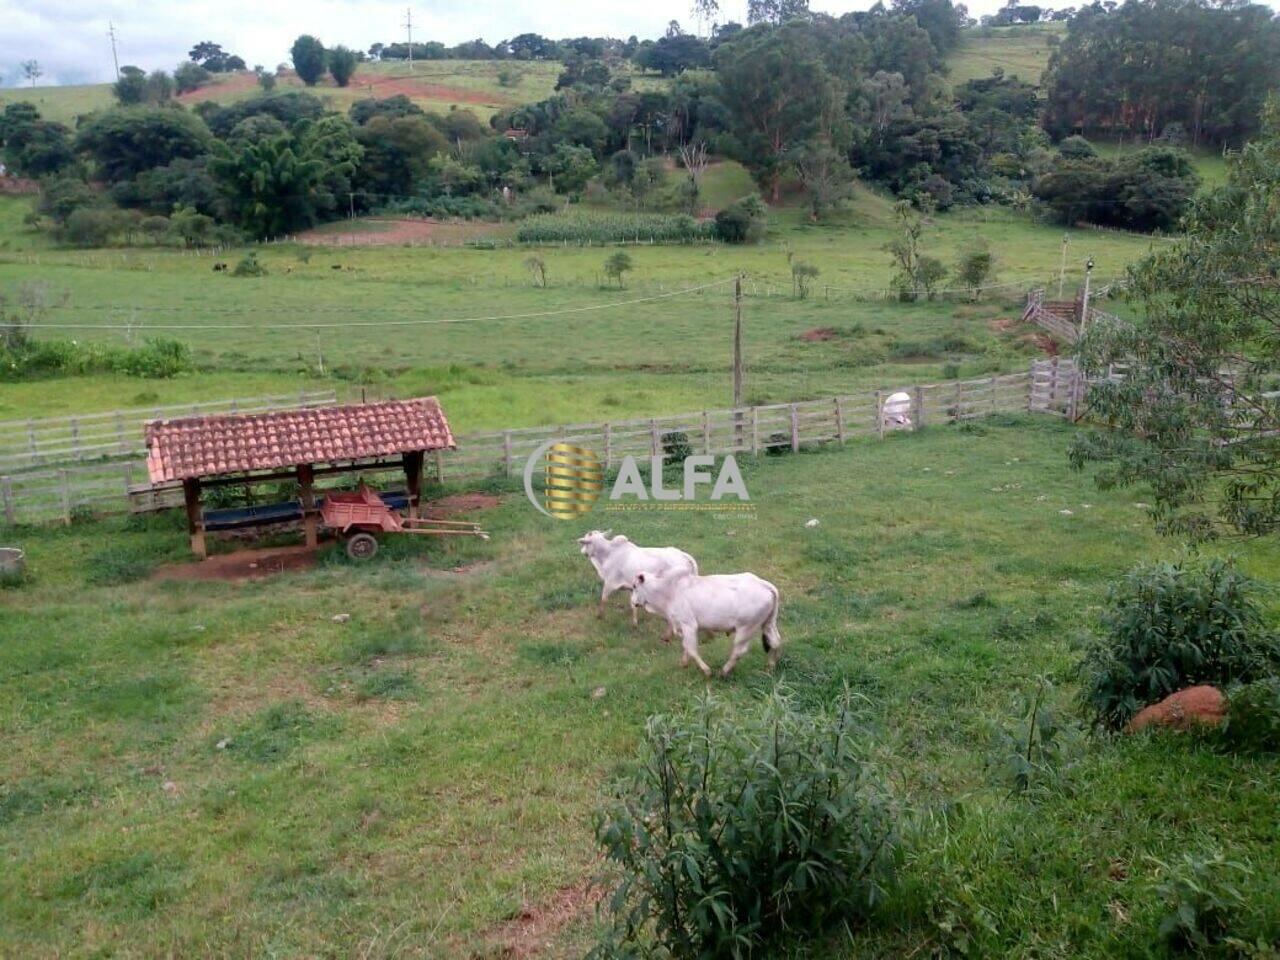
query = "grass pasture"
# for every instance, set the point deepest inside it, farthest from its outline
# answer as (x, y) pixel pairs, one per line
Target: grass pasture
(407, 782)
(544, 366)
(1021, 51)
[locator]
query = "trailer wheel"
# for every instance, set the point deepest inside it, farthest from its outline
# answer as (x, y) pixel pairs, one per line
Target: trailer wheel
(362, 546)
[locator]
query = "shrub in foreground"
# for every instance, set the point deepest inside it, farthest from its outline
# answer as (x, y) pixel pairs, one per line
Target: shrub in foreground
(1169, 626)
(739, 824)
(1253, 717)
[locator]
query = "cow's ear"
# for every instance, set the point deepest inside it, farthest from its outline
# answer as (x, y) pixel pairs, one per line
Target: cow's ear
(639, 578)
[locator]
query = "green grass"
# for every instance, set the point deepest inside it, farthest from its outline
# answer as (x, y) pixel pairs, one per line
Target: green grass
(1021, 52)
(406, 781)
(1210, 163)
(661, 356)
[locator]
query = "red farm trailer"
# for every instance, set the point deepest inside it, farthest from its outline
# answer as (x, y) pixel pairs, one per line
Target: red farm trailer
(358, 516)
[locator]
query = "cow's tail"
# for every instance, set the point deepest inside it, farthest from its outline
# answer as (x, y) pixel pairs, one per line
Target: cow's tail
(769, 633)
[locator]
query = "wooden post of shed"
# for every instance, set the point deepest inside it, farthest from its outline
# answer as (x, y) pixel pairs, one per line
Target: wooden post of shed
(310, 518)
(195, 516)
(413, 460)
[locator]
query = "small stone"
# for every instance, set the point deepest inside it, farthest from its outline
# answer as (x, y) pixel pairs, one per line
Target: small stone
(253, 566)
(198, 628)
(1067, 513)
(169, 787)
(1142, 506)
(1087, 506)
(1042, 498)
(222, 744)
(597, 693)
(811, 523)
(340, 617)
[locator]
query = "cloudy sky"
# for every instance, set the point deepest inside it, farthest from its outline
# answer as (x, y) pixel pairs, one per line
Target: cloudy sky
(69, 37)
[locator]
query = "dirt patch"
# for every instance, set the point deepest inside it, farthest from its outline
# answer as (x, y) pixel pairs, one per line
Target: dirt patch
(1005, 324)
(534, 929)
(238, 83)
(820, 334)
(384, 87)
(460, 503)
(241, 565)
(393, 233)
(18, 186)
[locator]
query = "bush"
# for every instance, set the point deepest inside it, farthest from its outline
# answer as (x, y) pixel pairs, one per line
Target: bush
(1167, 627)
(584, 227)
(675, 446)
(1202, 899)
(1077, 148)
(1253, 717)
(158, 359)
(742, 222)
(739, 824)
(249, 267)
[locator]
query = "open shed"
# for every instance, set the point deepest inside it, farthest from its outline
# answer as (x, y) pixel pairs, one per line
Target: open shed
(301, 445)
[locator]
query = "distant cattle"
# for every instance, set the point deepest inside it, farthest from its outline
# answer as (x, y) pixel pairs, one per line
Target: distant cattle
(738, 603)
(617, 561)
(219, 267)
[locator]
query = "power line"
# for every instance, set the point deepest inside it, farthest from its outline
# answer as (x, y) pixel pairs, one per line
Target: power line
(538, 315)
(408, 26)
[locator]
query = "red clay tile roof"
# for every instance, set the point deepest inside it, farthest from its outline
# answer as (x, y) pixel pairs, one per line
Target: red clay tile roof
(210, 446)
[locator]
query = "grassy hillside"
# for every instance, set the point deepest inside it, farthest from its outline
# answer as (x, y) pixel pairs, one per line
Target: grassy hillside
(436, 85)
(1022, 52)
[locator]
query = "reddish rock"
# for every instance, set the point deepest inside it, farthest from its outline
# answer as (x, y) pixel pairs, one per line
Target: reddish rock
(1205, 705)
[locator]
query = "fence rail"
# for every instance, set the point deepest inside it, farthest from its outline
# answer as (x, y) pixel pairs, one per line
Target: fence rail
(57, 442)
(1048, 386)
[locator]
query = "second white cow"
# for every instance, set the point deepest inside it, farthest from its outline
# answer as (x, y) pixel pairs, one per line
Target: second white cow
(736, 603)
(617, 561)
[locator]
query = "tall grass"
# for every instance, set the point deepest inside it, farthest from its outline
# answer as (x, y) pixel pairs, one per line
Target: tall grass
(585, 228)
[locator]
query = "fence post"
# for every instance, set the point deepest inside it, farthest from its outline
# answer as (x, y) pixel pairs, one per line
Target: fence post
(878, 413)
(795, 429)
(6, 494)
(655, 448)
(919, 407)
(755, 431)
(839, 419)
(75, 437)
(506, 451)
(955, 410)
(31, 441)
(608, 445)
(1053, 381)
(706, 433)
(128, 479)
(66, 497)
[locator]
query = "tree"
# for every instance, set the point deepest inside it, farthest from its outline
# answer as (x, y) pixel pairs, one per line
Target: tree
(693, 156)
(342, 65)
(131, 88)
(802, 275)
(126, 141)
(159, 87)
(907, 256)
(975, 266)
(537, 267)
(705, 13)
(397, 155)
(570, 167)
(1144, 190)
(272, 185)
(34, 147)
(776, 11)
(266, 80)
(1192, 418)
(617, 266)
(309, 60)
(777, 93)
(205, 50)
(32, 71)
(190, 76)
(826, 176)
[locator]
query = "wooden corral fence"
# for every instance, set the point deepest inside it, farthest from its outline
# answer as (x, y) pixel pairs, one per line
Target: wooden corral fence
(1048, 386)
(52, 466)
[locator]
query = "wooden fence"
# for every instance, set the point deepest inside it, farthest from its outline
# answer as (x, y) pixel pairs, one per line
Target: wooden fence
(1048, 386)
(35, 444)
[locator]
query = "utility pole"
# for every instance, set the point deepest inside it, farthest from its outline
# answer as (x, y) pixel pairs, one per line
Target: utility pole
(1084, 302)
(737, 341)
(408, 26)
(111, 32)
(1062, 270)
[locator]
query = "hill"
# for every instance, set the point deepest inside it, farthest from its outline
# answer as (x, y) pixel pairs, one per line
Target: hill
(1022, 52)
(482, 86)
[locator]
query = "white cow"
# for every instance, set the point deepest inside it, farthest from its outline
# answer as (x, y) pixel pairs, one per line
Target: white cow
(737, 603)
(896, 408)
(618, 560)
